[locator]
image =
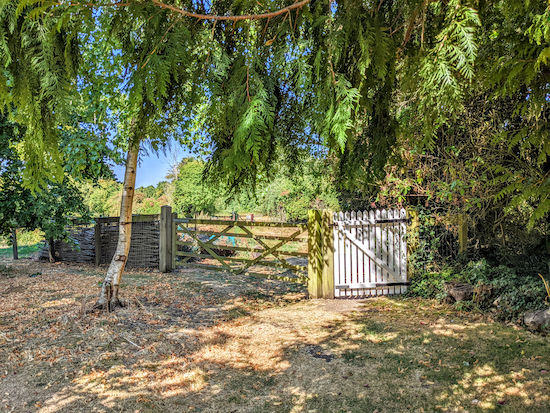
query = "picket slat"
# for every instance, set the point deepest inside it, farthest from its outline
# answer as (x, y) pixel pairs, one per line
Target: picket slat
(353, 279)
(372, 247)
(347, 247)
(342, 273)
(360, 265)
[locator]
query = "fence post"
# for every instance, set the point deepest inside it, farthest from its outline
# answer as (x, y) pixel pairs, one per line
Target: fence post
(315, 254)
(328, 254)
(165, 250)
(412, 244)
(462, 234)
(413, 238)
(97, 240)
(174, 229)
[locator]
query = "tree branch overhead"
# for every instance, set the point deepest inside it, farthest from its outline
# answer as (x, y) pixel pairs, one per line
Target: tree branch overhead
(294, 6)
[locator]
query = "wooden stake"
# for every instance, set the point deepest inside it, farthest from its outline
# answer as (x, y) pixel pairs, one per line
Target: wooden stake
(165, 241)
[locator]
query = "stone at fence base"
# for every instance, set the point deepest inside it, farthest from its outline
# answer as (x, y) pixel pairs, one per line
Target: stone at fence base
(457, 291)
(538, 320)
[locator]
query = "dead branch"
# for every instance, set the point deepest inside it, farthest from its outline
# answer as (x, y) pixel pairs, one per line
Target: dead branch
(284, 10)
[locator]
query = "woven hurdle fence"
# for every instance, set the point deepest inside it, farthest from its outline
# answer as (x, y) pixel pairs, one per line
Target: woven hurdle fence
(96, 242)
(79, 248)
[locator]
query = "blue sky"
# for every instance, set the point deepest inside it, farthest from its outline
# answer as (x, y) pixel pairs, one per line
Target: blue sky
(151, 169)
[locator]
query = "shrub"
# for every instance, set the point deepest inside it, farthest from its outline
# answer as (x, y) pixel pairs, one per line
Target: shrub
(430, 284)
(513, 291)
(508, 291)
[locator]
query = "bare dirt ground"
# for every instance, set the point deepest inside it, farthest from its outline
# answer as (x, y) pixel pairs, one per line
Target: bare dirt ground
(196, 341)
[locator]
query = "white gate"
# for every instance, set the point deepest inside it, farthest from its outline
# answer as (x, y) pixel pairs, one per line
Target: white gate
(370, 253)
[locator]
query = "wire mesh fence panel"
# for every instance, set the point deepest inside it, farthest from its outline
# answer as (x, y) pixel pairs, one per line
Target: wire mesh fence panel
(439, 243)
(144, 247)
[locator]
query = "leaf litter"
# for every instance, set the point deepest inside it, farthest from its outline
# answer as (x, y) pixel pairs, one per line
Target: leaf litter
(213, 342)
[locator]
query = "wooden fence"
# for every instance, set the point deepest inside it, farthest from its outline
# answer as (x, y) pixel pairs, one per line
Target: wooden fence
(273, 250)
(96, 242)
(337, 255)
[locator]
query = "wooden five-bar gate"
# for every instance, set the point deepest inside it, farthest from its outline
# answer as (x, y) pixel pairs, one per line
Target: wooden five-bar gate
(272, 250)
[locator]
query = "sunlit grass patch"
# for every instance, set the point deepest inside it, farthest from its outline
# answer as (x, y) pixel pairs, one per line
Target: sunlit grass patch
(24, 251)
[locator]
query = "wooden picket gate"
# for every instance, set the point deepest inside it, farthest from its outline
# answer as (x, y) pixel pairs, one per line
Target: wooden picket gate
(370, 253)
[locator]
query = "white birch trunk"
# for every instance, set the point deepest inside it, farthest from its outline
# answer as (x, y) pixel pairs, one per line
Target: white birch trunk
(108, 297)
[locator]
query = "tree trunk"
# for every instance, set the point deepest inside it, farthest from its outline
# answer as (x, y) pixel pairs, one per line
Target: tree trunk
(108, 297)
(53, 254)
(14, 244)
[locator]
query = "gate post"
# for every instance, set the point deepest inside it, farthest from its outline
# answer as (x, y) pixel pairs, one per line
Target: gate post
(413, 240)
(165, 247)
(315, 254)
(174, 229)
(328, 254)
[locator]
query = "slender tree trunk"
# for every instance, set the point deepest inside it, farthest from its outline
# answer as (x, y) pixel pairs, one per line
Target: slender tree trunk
(14, 244)
(108, 297)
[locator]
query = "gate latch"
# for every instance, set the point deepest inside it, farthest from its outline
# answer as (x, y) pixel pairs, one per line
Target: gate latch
(389, 221)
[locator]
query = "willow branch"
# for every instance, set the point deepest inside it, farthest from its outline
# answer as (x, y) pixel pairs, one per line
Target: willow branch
(284, 10)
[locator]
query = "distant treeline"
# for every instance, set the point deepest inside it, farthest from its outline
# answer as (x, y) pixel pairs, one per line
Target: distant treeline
(287, 197)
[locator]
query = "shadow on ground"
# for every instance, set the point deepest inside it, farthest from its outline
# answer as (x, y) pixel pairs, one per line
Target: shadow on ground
(209, 342)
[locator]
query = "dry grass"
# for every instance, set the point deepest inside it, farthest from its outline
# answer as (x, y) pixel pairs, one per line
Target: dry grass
(211, 342)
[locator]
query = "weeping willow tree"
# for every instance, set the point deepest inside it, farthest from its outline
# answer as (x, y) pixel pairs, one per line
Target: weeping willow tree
(243, 80)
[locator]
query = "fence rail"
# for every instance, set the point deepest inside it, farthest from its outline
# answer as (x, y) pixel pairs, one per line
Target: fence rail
(338, 255)
(225, 245)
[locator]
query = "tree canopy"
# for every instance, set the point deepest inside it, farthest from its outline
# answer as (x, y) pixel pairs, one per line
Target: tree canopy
(316, 76)
(248, 82)
(49, 210)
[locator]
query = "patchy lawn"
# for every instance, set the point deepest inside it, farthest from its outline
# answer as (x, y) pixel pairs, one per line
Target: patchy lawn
(196, 341)
(24, 251)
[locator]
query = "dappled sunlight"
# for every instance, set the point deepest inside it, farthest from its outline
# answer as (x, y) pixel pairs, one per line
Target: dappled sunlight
(485, 388)
(58, 303)
(380, 338)
(448, 332)
(188, 349)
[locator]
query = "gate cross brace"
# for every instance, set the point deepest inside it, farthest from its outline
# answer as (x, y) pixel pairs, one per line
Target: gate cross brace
(211, 240)
(265, 246)
(369, 254)
(208, 249)
(270, 250)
